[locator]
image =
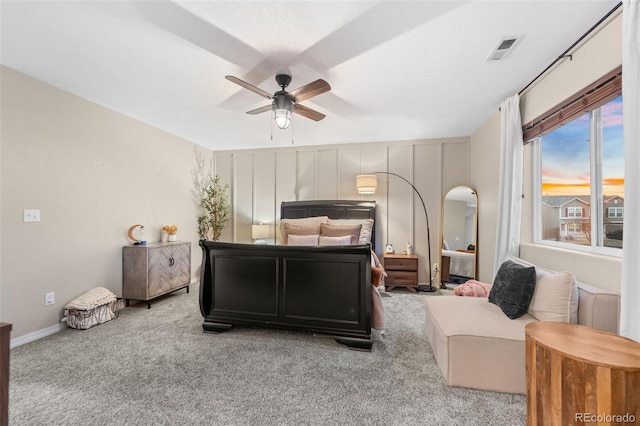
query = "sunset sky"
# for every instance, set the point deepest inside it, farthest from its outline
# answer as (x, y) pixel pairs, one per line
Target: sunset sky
(565, 155)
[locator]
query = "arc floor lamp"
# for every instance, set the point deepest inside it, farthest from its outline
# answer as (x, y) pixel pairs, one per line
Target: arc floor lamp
(367, 184)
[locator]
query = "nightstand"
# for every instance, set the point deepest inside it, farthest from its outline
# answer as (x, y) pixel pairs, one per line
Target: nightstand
(402, 271)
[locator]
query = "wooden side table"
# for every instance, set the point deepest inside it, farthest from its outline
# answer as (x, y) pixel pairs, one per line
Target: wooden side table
(578, 375)
(402, 271)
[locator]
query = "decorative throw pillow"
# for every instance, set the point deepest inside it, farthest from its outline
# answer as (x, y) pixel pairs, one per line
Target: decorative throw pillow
(341, 231)
(513, 288)
(556, 296)
(299, 230)
(335, 241)
(365, 232)
(303, 240)
(305, 221)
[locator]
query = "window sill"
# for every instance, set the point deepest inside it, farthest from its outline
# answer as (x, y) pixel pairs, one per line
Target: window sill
(600, 251)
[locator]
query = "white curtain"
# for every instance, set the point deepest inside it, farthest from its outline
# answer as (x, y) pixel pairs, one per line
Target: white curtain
(630, 290)
(510, 187)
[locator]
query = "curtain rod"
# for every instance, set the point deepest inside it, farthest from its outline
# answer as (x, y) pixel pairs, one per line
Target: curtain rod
(564, 54)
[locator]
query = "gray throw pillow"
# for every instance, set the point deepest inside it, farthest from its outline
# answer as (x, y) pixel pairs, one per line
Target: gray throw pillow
(513, 288)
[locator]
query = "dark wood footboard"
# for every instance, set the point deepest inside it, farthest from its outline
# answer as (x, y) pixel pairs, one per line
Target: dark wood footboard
(318, 289)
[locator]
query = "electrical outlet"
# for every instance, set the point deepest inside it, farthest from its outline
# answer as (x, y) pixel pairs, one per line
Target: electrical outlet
(31, 216)
(49, 299)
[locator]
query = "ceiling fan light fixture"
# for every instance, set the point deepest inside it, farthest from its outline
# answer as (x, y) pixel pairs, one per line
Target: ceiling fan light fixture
(282, 117)
(282, 111)
(286, 103)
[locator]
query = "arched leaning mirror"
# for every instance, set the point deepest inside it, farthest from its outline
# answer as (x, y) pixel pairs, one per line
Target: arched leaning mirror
(458, 260)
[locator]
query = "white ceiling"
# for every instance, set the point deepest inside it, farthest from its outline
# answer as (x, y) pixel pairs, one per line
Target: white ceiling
(399, 70)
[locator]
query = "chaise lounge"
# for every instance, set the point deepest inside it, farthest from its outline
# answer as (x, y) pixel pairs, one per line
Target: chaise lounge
(477, 346)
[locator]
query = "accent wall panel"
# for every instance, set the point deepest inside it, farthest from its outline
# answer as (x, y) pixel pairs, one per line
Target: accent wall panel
(349, 161)
(223, 167)
(243, 197)
(427, 180)
(264, 188)
(373, 158)
(455, 165)
(306, 176)
(285, 185)
(400, 197)
(328, 174)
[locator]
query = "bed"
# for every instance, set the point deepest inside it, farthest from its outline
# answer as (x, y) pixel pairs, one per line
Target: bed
(324, 289)
(458, 266)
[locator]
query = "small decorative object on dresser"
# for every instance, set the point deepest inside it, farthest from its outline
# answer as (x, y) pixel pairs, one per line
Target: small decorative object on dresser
(171, 230)
(135, 234)
(150, 271)
(402, 271)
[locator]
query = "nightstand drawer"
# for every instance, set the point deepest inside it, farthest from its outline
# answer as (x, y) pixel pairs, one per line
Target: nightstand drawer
(401, 278)
(400, 264)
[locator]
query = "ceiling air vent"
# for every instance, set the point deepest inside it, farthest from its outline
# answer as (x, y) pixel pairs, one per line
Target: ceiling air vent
(502, 49)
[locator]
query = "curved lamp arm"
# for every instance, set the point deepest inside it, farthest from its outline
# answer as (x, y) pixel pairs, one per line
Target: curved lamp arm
(426, 217)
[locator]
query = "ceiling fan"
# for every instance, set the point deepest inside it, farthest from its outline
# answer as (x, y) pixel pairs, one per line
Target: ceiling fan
(284, 103)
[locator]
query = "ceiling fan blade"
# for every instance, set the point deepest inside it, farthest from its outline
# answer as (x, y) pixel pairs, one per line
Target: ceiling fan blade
(308, 112)
(248, 86)
(310, 90)
(260, 110)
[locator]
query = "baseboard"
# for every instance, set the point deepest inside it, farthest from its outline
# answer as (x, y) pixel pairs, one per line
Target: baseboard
(39, 334)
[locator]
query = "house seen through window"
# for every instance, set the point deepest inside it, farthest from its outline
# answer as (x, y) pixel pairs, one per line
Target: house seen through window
(581, 180)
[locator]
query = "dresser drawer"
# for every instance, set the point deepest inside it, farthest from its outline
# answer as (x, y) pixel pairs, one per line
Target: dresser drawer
(401, 264)
(395, 278)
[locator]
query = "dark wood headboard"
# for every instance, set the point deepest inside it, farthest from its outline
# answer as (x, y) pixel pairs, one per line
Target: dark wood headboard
(335, 209)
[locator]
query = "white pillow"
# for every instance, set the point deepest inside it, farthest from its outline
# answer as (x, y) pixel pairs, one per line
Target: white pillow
(555, 297)
(303, 240)
(305, 221)
(334, 241)
(365, 232)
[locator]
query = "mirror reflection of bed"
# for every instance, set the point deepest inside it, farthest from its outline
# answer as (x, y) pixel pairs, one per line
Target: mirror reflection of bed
(458, 262)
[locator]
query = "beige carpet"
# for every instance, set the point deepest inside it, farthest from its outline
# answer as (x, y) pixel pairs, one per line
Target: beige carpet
(156, 367)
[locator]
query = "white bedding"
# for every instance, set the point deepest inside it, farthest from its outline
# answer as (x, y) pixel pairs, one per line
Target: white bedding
(462, 263)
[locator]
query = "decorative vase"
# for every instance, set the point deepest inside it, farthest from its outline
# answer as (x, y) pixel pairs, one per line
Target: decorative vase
(164, 236)
(172, 237)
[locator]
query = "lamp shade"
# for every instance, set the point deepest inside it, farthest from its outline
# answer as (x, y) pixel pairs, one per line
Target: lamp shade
(260, 232)
(366, 184)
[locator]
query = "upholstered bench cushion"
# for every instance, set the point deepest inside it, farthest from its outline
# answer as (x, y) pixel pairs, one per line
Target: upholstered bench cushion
(599, 308)
(475, 344)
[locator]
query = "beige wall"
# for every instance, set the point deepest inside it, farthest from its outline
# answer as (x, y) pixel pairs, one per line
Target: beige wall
(484, 148)
(599, 54)
(260, 180)
(92, 173)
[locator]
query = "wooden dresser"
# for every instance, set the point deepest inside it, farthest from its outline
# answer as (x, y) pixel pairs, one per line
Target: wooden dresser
(5, 339)
(579, 375)
(402, 271)
(155, 269)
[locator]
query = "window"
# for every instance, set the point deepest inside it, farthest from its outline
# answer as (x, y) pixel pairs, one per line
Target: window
(574, 211)
(580, 181)
(615, 212)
